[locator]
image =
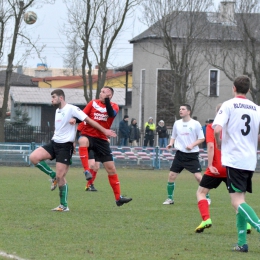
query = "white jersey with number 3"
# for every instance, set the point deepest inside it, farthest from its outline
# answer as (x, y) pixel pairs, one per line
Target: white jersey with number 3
(240, 121)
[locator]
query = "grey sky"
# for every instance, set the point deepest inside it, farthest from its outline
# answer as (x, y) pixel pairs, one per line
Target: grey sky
(50, 20)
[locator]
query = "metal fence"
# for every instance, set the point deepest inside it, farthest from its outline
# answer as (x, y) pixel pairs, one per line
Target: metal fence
(42, 135)
(17, 154)
(28, 134)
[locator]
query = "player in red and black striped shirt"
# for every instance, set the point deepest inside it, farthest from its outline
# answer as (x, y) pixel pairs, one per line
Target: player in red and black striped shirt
(103, 111)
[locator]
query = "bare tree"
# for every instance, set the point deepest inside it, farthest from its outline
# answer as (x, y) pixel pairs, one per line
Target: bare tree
(97, 23)
(238, 43)
(175, 30)
(11, 16)
(72, 59)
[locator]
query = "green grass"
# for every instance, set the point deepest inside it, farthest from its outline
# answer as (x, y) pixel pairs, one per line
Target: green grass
(95, 228)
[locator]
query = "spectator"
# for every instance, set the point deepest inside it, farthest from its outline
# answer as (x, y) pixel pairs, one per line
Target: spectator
(149, 132)
(123, 131)
(134, 133)
(204, 144)
(162, 133)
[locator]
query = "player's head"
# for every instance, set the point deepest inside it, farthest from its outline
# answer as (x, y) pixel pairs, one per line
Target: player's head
(106, 92)
(57, 97)
(242, 84)
(185, 110)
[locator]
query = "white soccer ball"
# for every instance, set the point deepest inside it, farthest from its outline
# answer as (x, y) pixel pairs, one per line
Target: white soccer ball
(30, 17)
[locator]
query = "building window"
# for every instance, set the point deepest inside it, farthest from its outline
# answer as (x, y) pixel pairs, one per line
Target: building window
(213, 83)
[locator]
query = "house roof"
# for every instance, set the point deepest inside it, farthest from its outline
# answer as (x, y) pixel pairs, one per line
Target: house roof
(17, 79)
(42, 96)
(127, 67)
(208, 25)
(111, 74)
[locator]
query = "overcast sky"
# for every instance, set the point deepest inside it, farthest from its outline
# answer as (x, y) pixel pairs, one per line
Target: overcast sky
(49, 31)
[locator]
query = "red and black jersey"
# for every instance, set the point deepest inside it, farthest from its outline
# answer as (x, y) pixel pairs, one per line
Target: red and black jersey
(97, 111)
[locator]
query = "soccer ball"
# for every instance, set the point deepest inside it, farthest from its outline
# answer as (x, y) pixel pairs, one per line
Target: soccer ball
(30, 17)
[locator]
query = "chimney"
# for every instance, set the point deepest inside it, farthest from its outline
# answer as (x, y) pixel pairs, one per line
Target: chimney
(20, 69)
(227, 12)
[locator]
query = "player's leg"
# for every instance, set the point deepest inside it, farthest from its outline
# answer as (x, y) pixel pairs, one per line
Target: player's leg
(115, 183)
(192, 164)
(83, 153)
(103, 153)
(94, 167)
(239, 182)
(176, 168)
(91, 163)
(245, 210)
(170, 188)
(61, 171)
(63, 155)
(198, 178)
(38, 156)
(207, 183)
(203, 207)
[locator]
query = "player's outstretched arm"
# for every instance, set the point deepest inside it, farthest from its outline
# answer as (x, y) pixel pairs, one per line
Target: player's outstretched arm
(107, 132)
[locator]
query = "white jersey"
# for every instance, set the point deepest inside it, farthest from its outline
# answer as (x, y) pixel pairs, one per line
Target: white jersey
(240, 121)
(64, 131)
(186, 133)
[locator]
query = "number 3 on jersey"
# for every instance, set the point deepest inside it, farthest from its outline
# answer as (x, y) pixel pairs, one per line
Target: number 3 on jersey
(247, 119)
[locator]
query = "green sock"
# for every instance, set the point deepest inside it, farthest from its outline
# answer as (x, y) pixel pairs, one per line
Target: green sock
(241, 229)
(64, 195)
(44, 167)
(249, 215)
(170, 189)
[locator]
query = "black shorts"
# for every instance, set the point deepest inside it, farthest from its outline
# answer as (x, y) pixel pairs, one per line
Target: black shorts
(62, 152)
(188, 161)
(92, 156)
(239, 180)
(101, 149)
(210, 182)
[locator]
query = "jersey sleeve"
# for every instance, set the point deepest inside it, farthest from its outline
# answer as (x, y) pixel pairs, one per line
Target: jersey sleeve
(87, 108)
(78, 113)
(200, 133)
(174, 131)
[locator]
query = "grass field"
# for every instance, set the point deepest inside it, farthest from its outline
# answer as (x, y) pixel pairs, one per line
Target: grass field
(95, 228)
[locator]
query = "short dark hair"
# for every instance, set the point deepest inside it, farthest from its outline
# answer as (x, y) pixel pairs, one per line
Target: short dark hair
(187, 106)
(58, 92)
(112, 90)
(242, 84)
